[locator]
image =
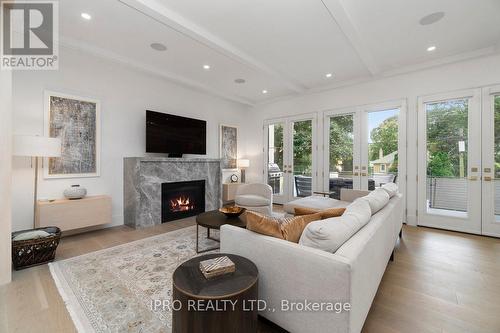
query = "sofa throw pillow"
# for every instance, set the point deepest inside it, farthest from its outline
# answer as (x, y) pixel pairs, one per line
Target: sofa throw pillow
(287, 228)
(377, 200)
(391, 189)
(325, 213)
(299, 211)
(360, 210)
(330, 234)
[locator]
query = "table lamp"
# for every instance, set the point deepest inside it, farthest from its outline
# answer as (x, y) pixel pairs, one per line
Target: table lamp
(243, 164)
(36, 146)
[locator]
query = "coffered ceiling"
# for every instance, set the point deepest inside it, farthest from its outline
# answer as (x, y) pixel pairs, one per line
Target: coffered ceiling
(284, 47)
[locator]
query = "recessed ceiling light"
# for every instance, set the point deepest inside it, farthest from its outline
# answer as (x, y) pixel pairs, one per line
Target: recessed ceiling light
(86, 16)
(328, 75)
(206, 67)
(431, 48)
(239, 81)
(264, 91)
(431, 18)
(158, 47)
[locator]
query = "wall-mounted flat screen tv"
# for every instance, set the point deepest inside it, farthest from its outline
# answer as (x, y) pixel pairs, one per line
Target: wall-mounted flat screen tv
(175, 135)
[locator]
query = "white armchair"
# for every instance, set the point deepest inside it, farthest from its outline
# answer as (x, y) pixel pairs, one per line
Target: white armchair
(255, 197)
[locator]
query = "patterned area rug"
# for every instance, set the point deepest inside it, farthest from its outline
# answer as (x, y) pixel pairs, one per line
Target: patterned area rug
(112, 290)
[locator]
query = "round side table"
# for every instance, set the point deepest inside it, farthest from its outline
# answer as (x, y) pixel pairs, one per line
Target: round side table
(224, 304)
(214, 220)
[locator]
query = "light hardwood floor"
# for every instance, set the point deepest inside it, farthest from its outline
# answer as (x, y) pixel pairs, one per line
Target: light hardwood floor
(439, 282)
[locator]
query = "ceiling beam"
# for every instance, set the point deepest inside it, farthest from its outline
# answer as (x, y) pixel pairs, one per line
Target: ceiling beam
(345, 23)
(177, 22)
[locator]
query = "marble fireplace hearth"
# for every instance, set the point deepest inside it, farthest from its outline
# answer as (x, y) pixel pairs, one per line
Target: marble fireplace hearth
(142, 185)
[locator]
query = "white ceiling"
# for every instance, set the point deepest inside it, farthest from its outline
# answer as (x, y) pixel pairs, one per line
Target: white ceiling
(283, 46)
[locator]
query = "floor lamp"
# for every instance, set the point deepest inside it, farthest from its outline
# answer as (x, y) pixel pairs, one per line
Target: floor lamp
(36, 146)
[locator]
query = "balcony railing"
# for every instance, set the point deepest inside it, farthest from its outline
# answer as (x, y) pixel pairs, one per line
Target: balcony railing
(451, 193)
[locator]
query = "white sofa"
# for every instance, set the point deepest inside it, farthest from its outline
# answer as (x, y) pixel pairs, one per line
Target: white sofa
(293, 272)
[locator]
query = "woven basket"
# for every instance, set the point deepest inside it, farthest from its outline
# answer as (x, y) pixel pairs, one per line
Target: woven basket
(32, 252)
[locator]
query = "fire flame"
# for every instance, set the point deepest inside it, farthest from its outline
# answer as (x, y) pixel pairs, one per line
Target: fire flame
(181, 204)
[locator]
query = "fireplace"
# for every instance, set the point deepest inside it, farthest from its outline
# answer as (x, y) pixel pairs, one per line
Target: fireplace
(182, 199)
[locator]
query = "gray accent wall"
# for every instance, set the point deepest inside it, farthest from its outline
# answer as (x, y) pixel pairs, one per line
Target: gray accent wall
(143, 177)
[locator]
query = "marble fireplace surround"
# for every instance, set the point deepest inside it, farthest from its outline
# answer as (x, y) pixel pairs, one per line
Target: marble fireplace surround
(143, 177)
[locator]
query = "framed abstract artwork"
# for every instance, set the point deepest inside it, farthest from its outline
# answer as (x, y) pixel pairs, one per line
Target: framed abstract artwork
(76, 120)
(228, 146)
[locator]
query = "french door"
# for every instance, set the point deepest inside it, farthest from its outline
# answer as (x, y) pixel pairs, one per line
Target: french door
(291, 156)
(459, 148)
(491, 162)
(364, 147)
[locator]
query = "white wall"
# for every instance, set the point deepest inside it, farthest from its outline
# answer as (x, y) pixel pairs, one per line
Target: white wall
(125, 94)
(467, 74)
(5, 174)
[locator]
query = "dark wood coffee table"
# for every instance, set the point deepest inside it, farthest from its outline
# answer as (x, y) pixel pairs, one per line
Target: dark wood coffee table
(224, 304)
(214, 220)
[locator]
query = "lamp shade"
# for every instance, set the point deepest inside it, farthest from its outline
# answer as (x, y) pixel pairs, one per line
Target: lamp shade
(243, 163)
(36, 146)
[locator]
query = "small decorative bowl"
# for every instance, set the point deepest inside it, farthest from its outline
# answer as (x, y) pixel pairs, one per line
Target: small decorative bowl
(232, 211)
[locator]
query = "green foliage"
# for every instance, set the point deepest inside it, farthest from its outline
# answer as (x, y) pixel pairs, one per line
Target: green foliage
(384, 137)
(440, 165)
(302, 147)
(341, 141)
(447, 125)
(394, 166)
(278, 145)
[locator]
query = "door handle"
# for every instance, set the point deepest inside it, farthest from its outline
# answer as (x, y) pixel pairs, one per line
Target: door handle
(473, 178)
(363, 174)
(487, 178)
(356, 174)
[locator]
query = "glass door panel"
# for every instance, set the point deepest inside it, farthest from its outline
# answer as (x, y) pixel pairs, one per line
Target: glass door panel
(341, 166)
(447, 151)
(496, 154)
(383, 148)
(275, 138)
(302, 157)
(491, 162)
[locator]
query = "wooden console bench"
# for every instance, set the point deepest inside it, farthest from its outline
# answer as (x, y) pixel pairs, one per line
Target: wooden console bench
(74, 214)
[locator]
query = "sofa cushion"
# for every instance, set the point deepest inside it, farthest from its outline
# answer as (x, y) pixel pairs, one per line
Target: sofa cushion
(359, 209)
(377, 199)
(287, 228)
(391, 189)
(251, 200)
(325, 213)
(315, 202)
(330, 234)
